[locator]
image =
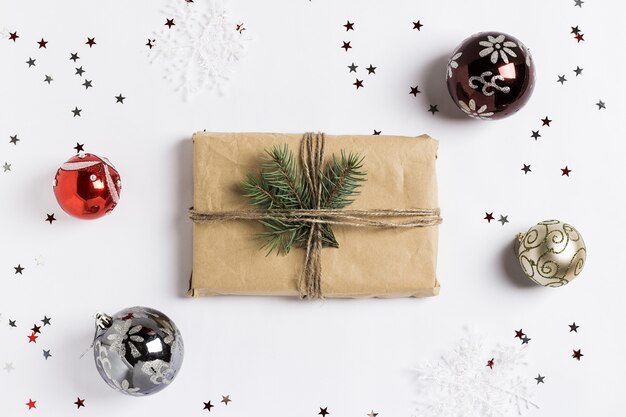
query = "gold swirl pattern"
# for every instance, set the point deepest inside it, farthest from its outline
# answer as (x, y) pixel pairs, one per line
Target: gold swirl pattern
(551, 253)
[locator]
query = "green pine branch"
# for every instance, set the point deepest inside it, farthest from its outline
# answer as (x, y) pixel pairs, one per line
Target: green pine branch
(281, 185)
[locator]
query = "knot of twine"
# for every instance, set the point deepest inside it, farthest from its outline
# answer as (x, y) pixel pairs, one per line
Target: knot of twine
(311, 159)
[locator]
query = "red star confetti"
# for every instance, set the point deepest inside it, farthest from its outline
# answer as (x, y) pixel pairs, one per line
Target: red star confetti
(31, 404)
(32, 338)
(579, 37)
(519, 333)
(79, 403)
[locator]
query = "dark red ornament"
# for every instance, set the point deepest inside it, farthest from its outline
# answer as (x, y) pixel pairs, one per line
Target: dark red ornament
(87, 186)
(490, 75)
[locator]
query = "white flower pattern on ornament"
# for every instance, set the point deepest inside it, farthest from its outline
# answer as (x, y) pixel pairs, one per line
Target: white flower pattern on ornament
(497, 47)
(159, 371)
(452, 64)
(125, 335)
(471, 111)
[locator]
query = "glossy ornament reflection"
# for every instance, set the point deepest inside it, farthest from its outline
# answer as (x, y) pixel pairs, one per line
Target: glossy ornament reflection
(87, 186)
(490, 75)
(138, 351)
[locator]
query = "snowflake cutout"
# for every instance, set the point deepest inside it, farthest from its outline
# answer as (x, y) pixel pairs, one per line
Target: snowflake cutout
(202, 50)
(460, 385)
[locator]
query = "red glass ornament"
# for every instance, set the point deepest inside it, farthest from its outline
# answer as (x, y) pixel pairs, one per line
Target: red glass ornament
(490, 75)
(87, 186)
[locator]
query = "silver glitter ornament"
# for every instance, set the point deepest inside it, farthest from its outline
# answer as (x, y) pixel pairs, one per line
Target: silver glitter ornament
(551, 253)
(138, 351)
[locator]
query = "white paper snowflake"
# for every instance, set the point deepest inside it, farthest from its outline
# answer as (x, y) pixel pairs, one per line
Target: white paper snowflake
(461, 384)
(202, 49)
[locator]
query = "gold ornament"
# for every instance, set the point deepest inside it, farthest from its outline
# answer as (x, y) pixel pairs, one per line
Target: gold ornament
(551, 253)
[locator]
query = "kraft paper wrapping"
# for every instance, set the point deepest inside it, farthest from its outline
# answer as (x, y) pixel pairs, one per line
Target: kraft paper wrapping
(370, 262)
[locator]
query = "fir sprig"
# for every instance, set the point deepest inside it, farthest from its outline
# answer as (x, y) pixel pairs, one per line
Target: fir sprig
(281, 185)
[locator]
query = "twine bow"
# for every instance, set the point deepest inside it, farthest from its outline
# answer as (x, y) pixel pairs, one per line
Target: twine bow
(311, 160)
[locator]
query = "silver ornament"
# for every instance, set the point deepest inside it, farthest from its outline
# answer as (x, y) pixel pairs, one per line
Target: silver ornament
(551, 253)
(138, 351)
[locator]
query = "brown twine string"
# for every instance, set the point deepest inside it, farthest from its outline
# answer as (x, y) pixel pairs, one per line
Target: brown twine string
(311, 159)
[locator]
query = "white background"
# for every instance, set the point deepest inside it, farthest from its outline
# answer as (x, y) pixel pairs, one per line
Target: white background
(284, 357)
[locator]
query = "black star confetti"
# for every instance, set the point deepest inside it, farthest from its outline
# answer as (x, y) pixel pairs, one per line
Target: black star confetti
(545, 121)
(13, 36)
(76, 111)
(12, 323)
(79, 402)
(601, 105)
(31, 62)
(74, 57)
(226, 399)
(535, 134)
(323, 411)
(526, 169)
(371, 69)
(42, 43)
(48, 79)
(358, 83)
(503, 219)
(346, 46)
(87, 84)
(90, 41)
(561, 79)
(376, 132)
(490, 363)
(80, 71)
(46, 320)
(6, 167)
(577, 354)
(578, 3)
(208, 406)
(120, 98)
(525, 340)
(353, 67)
(573, 327)
(540, 379)
(575, 30)
(50, 218)
(79, 147)
(36, 329)
(578, 70)
(565, 171)
(14, 139)
(418, 25)
(46, 354)
(349, 25)
(150, 43)
(169, 23)
(519, 333)
(433, 109)
(489, 217)
(18, 269)
(415, 91)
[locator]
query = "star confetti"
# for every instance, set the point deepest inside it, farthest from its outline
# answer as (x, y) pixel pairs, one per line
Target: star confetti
(540, 379)
(150, 43)
(18, 269)
(535, 134)
(46, 321)
(503, 219)
(80, 71)
(580, 37)
(46, 354)
(546, 121)
(433, 109)
(526, 169)
(578, 3)
(353, 67)
(76, 111)
(50, 218)
(418, 25)
(32, 338)
(79, 402)
(48, 79)
(31, 404)
(371, 69)
(8, 367)
(226, 399)
(14, 139)
(90, 41)
(87, 84)
(525, 340)
(489, 217)
(208, 406)
(31, 62)
(372, 414)
(519, 333)
(561, 79)
(42, 43)
(577, 354)
(79, 147)
(358, 83)
(601, 105)
(490, 363)
(36, 329)
(169, 23)
(74, 56)
(346, 46)
(349, 25)
(578, 70)
(120, 98)
(6, 167)
(565, 171)
(573, 327)
(575, 30)
(376, 132)
(415, 91)
(13, 36)
(12, 323)
(323, 411)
